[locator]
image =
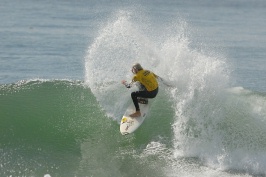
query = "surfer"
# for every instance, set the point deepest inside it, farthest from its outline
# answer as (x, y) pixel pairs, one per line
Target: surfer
(148, 81)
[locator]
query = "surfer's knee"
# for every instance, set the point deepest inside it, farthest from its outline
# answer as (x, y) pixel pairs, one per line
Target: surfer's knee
(133, 95)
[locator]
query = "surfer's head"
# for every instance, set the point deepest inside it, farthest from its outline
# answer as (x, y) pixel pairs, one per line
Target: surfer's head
(136, 68)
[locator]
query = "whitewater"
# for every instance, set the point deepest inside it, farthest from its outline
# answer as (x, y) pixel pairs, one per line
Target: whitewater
(61, 97)
(222, 127)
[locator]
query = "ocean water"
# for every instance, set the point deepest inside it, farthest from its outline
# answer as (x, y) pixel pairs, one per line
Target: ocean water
(61, 100)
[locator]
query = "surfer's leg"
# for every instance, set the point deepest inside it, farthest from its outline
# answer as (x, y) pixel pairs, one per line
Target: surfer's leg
(147, 94)
(142, 94)
(134, 96)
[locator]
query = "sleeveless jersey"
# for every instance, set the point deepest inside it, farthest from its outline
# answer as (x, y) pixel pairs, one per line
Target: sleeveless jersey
(146, 78)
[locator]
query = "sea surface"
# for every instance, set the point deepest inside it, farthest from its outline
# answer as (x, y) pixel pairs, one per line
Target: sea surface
(61, 97)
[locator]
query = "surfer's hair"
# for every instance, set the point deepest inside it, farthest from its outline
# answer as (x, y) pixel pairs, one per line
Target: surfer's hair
(137, 66)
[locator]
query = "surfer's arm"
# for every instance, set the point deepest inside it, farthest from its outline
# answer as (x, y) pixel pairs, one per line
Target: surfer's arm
(157, 77)
(126, 84)
(163, 81)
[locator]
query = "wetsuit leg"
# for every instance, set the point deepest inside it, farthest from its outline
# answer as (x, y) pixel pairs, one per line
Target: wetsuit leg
(143, 94)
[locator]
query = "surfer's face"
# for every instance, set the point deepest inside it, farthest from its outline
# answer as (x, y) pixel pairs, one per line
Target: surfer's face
(134, 70)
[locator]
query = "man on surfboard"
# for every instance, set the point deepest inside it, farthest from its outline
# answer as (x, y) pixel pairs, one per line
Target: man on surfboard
(146, 79)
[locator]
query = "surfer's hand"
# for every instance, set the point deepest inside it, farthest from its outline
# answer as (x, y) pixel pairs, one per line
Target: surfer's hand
(124, 82)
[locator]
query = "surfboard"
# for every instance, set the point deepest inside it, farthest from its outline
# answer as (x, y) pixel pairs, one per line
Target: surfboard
(128, 124)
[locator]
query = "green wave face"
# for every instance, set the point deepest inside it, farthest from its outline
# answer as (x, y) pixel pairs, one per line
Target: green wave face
(57, 127)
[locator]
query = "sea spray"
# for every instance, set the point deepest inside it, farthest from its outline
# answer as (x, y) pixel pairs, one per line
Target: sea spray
(222, 129)
(210, 123)
(109, 59)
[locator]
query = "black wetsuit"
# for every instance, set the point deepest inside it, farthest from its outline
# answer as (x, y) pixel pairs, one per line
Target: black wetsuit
(143, 94)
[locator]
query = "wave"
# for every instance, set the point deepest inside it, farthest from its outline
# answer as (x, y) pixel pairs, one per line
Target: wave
(222, 128)
(58, 127)
(41, 121)
(198, 127)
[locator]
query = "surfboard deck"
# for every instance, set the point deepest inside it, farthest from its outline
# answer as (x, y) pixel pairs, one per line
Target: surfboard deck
(128, 124)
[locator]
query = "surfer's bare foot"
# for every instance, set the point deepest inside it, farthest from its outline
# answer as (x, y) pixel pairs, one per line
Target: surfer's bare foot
(136, 114)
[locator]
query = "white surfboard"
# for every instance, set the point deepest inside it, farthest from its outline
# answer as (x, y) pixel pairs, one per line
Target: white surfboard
(129, 124)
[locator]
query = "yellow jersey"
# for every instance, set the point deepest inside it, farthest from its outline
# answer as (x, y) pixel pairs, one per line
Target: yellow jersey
(146, 78)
